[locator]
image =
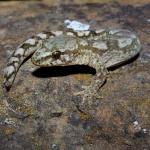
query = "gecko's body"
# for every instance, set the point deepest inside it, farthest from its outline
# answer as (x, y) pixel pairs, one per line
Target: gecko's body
(98, 49)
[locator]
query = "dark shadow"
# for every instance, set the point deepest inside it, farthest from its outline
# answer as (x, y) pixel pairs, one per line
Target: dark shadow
(57, 71)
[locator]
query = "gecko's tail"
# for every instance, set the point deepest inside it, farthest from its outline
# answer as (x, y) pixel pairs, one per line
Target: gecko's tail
(16, 59)
(20, 55)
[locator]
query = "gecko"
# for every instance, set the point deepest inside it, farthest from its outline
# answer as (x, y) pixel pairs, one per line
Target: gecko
(99, 49)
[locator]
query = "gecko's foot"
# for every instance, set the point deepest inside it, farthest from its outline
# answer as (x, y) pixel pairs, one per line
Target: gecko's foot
(88, 92)
(89, 98)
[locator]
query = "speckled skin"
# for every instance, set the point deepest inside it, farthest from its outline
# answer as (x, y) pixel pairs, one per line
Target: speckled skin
(98, 49)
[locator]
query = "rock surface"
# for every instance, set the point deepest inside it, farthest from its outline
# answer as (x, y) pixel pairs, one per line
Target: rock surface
(42, 112)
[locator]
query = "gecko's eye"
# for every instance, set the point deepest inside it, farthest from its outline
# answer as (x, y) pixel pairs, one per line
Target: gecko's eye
(56, 54)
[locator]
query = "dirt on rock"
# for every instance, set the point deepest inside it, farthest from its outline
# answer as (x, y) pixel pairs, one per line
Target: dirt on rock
(43, 112)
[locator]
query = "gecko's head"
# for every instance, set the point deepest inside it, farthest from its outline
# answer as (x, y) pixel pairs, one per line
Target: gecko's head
(53, 57)
(55, 51)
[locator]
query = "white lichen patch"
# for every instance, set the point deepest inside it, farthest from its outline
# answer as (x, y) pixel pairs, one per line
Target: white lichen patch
(76, 25)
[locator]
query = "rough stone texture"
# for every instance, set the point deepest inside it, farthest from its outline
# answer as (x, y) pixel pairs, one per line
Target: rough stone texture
(43, 112)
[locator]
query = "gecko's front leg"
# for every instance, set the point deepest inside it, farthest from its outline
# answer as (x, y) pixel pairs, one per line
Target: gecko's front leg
(91, 94)
(18, 57)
